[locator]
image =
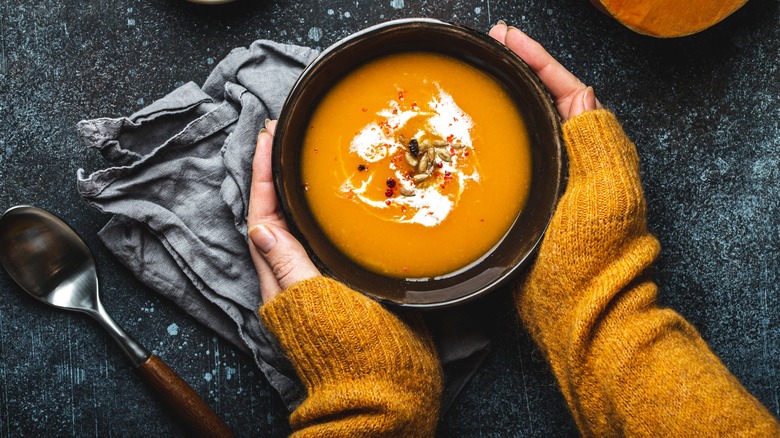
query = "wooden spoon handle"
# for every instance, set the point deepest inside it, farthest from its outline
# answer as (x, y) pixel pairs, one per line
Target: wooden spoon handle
(183, 399)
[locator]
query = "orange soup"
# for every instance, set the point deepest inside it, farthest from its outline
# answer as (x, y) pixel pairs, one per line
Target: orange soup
(416, 164)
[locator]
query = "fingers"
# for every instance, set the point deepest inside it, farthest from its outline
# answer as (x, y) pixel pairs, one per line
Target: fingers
(263, 208)
(555, 77)
(270, 125)
(286, 257)
(498, 32)
(583, 100)
(567, 91)
(262, 197)
(280, 260)
(269, 286)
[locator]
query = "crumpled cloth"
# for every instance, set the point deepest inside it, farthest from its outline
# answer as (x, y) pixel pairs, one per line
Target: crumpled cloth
(178, 189)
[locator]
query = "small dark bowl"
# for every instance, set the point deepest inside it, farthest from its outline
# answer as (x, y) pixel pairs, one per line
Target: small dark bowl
(541, 118)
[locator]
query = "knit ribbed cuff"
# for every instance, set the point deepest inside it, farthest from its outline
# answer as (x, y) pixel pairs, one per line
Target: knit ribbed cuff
(334, 334)
(595, 142)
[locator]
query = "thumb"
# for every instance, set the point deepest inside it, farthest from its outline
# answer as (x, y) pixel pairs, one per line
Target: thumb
(584, 100)
(283, 253)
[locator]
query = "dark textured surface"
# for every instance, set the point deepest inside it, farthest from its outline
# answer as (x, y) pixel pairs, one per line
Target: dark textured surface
(704, 112)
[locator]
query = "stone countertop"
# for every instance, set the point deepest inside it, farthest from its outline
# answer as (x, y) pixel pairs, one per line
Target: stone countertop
(704, 112)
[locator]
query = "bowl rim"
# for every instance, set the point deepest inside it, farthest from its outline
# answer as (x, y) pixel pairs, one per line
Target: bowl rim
(343, 44)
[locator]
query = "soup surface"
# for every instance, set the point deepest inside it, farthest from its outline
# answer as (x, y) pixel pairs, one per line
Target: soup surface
(416, 164)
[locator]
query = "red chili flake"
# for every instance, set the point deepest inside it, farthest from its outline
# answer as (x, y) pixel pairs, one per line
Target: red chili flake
(390, 183)
(450, 138)
(452, 151)
(389, 192)
(466, 153)
(316, 150)
(387, 202)
(364, 109)
(403, 208)
(401, 94)
(443, 186)
(447, 174)
(362, 167)
(395, 111)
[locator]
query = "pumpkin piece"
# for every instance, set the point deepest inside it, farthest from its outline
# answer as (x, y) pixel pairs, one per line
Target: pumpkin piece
(668, 18)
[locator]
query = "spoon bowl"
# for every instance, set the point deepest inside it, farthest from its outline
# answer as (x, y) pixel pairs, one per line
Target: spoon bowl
(47, 259)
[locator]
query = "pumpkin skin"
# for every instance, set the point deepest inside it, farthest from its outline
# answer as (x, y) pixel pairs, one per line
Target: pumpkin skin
(668, 18)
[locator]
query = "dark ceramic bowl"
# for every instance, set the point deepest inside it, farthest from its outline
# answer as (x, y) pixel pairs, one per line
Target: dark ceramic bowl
(541, 118)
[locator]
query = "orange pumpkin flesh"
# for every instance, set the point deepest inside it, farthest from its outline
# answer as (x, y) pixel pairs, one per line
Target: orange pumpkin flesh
(668, 18)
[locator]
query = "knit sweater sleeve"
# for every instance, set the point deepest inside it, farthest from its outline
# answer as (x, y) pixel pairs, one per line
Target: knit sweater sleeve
(367, 372)
(626, 366)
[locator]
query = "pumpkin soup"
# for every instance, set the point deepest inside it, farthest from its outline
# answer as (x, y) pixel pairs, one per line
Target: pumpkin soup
(415, 165)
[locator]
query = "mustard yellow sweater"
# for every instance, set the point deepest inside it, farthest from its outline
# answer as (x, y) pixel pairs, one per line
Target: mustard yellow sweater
(626, 367)
(367, 372)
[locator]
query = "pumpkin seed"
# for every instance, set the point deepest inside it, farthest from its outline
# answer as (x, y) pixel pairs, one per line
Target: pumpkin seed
(440, 143)
(458, 145)
(407, 192)
(422, 165)
(420, 177)
(410, 159)
(443, 154)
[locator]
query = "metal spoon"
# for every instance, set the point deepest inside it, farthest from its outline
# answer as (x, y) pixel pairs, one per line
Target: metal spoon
(51, 262)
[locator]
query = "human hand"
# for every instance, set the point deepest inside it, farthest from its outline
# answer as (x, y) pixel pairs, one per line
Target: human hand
(328, 331)
(597, 241)
(571, 96)
(590, 304)
(603, 205)
(280, 260)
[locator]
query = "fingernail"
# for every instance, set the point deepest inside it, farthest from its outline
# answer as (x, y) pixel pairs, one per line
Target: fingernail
(501, 23)
(262, 238)
(267, 121)
(588, 99)
(508, 28)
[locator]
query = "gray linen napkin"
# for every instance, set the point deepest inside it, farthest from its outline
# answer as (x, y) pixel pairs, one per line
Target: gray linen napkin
(178, 189)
